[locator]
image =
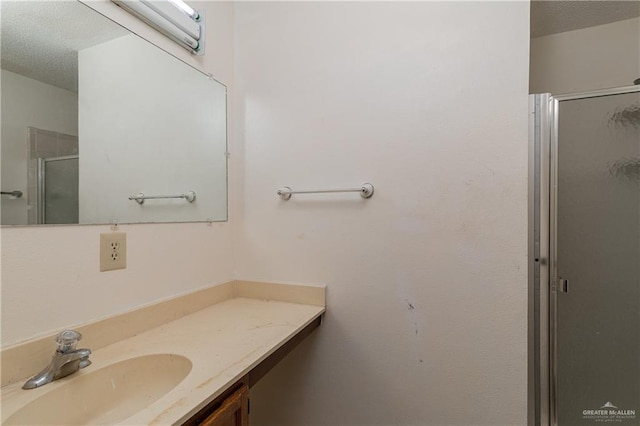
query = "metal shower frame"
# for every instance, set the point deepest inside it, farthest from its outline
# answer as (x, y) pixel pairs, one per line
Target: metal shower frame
(542, 251)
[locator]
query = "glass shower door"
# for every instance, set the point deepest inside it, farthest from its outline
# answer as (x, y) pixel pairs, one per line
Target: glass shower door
(597, 292)
(58, 190)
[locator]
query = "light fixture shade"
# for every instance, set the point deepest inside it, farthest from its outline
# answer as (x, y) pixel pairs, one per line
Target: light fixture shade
(168, 17)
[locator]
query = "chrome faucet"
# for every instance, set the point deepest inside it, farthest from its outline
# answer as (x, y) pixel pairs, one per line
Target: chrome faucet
(66, 360)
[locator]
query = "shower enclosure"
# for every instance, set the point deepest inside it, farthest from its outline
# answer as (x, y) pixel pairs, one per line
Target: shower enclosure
(585, 258)
(57, 190)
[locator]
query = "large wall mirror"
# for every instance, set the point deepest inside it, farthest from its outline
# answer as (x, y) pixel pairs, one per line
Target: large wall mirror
(93, 115)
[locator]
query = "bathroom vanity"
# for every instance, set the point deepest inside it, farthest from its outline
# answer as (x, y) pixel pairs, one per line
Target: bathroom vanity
(189, 360)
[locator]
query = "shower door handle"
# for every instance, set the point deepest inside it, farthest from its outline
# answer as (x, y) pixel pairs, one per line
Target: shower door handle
(559, 285)
(563, 285)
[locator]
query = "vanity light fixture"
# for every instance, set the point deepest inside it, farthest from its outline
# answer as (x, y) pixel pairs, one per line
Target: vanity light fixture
(173, 18)
(187, 9)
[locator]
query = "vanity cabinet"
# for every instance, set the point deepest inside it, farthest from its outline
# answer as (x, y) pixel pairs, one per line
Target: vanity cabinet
(229, 409)
(234, 411)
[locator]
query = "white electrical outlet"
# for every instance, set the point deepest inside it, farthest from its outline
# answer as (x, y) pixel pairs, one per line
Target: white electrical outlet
(113, 251)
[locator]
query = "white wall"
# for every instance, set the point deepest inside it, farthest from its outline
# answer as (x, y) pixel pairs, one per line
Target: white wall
(28, 103)
(427, 282)
(180, 147)
(50, 275)
(588, 59)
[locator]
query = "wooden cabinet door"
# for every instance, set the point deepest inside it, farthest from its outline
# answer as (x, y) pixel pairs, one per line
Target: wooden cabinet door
(234, 410)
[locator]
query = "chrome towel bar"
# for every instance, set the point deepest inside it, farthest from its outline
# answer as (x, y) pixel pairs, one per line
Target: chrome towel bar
(140, 197)
(366, 191)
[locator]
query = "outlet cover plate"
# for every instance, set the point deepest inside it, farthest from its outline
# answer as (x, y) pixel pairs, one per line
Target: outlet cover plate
(113, 251)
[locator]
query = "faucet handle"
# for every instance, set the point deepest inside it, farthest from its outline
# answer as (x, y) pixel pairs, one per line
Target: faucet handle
(67, 340)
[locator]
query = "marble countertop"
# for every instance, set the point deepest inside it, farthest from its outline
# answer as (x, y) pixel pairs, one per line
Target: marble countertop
(223, 342)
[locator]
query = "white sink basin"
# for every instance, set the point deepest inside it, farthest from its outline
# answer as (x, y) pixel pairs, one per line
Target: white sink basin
(107, 395)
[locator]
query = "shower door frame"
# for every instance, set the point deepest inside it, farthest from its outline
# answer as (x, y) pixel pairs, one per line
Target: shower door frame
(41, 184)
(542, 249)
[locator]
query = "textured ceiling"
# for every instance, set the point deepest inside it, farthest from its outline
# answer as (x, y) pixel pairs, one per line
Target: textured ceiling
(551, 17)
(41, 39)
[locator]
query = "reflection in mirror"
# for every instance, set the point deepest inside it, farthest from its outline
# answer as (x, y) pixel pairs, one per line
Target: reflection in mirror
(93, 115)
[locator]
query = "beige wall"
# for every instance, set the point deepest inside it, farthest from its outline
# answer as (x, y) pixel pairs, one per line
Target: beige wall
(50, 275)
(426, 321)
(588, 59)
